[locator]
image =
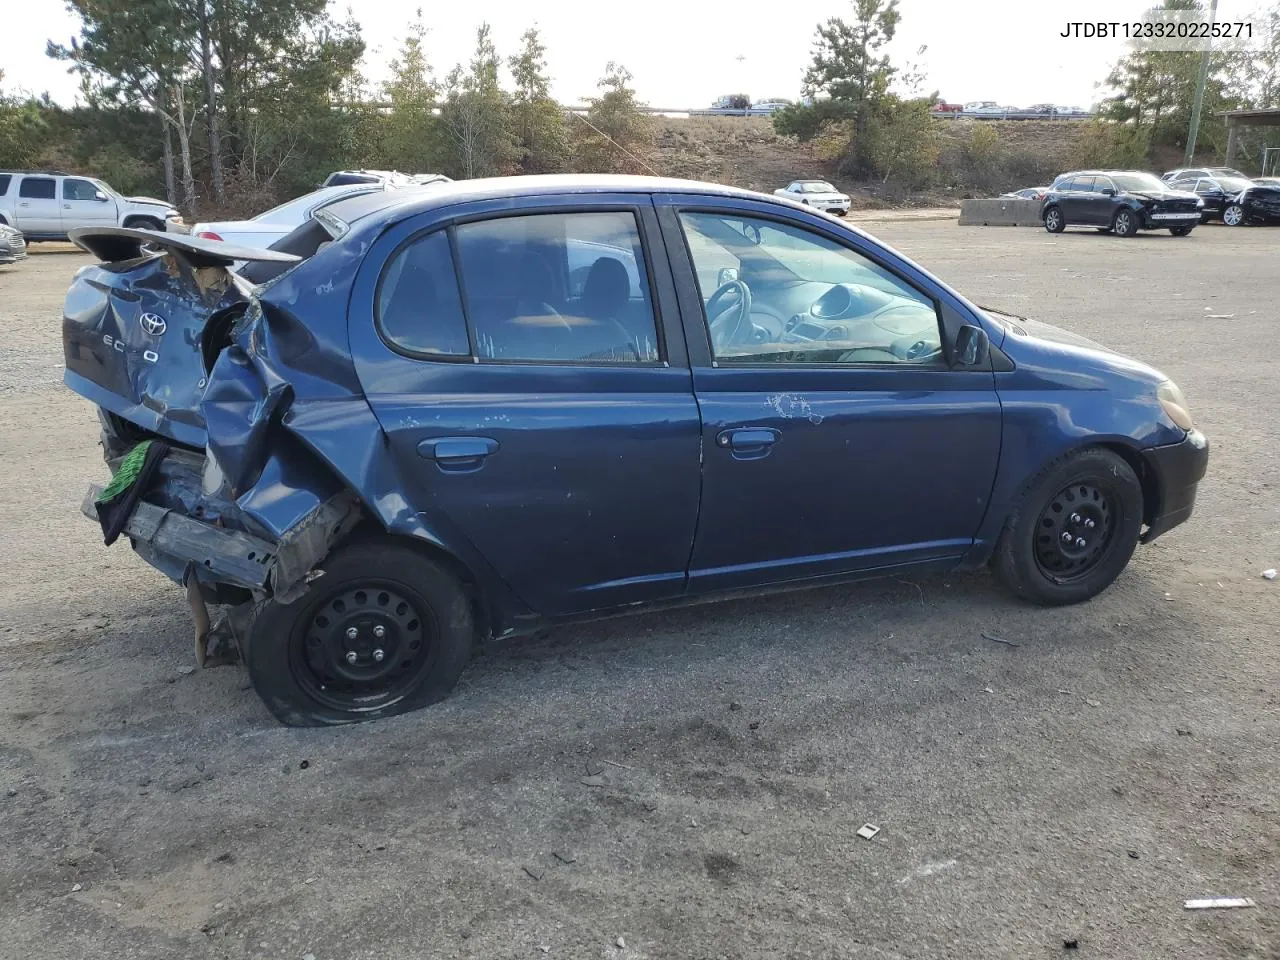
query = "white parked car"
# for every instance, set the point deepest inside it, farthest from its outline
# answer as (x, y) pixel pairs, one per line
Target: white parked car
(266, 228)
(816, 193)
(985, 108)
(46, 204)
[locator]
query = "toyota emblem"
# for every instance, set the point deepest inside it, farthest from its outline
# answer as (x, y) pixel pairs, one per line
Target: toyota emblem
(152, 324)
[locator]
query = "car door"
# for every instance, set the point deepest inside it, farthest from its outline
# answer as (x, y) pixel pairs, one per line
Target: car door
(1075, 200)
(543, 416)
(85, 205)
(1208, 190)
(1099, 201)
(36, 211)
(838, 436)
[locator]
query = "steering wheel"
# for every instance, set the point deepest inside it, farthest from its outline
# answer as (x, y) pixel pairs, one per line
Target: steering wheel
(728, 324)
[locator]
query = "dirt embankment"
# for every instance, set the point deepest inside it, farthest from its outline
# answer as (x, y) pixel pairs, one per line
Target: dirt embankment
(747, 152)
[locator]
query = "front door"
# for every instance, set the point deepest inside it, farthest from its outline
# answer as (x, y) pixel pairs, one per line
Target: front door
(1075, 201)
(85, 205)
(1099, 205)
(37, 210)
(537, 404)
(837, 434)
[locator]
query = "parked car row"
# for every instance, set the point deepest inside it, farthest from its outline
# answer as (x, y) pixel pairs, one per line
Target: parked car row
(993, 110)
(1127, 201)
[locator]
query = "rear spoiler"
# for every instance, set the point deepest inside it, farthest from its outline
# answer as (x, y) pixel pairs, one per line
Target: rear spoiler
(113, 244)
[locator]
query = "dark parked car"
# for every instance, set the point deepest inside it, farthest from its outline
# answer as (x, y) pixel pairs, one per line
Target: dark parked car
(1236, 201)
(419, 423)
(1119, 201)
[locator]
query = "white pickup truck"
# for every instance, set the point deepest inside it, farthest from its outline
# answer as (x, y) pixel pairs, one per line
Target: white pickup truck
(45, 205)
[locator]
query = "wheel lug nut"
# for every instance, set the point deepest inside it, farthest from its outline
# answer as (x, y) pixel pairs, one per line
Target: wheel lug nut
(1075, 518)
(352, 633)
(351, 656)
(1066, 537)
(379, 631)
(1080, 542)
(378, 655)
(1089, 524)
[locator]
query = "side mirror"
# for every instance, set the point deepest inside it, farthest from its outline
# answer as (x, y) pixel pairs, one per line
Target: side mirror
(973, 346)
(1108, 192)
(726, 275)
(100, 196)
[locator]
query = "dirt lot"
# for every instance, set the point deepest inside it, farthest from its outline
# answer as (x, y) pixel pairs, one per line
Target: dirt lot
(1079, 786)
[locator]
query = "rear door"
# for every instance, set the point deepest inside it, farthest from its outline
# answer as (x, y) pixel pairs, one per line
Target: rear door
(543, 413)
(36, 210)
(84, 205)
(837, 435)
(1075, 201)
(1098, 204)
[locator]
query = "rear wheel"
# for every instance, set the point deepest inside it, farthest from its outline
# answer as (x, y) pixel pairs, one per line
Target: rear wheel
(383, 631)
(1180, 231)
(1233, 215)
(1054, 222)
(1074, 530)
(1125, 223)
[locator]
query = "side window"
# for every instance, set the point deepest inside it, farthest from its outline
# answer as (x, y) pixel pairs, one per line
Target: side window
(1082, 185)
(776, 293)
(73, 189)
(4, 183)
(1103, 183)
(559, 287)
(38, 188)
(419, 309)
(1205, 186)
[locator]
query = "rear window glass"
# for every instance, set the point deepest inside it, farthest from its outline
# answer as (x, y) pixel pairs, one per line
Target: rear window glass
(38, 188)
(4, 183)
(419, 308)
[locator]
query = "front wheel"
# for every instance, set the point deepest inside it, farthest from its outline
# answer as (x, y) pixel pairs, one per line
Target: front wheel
(384, 630)
(1054, 222)
(1073, 531)
(1233, 215)
(1180, 231)
(1125, 223)
(146, 223)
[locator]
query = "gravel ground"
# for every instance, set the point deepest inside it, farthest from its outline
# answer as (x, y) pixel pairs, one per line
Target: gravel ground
(1078, 786)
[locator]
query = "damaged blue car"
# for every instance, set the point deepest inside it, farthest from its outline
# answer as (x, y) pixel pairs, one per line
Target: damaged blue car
(428, 418)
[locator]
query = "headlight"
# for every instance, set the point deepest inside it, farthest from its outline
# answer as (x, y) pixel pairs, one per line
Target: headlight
(1174, 405)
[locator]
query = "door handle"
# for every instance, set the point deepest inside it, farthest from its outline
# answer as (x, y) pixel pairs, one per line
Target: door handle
(748, 443)
(24, 204)
(66, 206)
(457, 454)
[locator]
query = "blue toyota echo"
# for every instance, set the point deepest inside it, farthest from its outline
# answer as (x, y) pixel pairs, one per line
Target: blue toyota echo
(436, 415)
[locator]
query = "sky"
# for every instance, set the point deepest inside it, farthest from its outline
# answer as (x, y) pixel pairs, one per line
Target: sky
(685, 54)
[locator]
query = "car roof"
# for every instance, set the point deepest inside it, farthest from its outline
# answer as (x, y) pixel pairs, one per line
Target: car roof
(416, 198)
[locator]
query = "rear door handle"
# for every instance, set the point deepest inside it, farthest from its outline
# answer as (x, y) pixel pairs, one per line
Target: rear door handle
(457, 454)
(748, 443)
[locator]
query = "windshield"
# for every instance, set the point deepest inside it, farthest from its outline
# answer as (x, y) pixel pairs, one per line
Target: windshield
(1138, 181)
(817, 186)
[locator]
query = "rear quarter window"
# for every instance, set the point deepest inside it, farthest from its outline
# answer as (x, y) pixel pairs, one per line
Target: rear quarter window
(4, 183)
(419, 304)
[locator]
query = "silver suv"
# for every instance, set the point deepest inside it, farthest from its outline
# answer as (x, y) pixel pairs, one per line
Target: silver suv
(46, 204)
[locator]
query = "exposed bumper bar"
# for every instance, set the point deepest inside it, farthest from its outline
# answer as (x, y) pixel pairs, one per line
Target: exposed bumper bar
(226, 556)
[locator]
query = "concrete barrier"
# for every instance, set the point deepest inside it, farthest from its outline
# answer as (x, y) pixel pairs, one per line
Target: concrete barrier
(1000, 213)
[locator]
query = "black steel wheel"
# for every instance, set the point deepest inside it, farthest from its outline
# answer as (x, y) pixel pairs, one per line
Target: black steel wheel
(385, 629)
(1074, 529)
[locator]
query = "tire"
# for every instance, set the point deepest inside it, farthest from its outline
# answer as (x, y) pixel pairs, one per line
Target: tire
(1125, 223)
(1054, 221)
(298, 653)
(1233, 215)
(146, 223)
(1181, 231)
(1090, 486)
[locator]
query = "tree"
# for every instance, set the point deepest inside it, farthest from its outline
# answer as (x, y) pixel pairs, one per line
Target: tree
(137, 50)
(412, 92)
(537, 120)
(23, 131)
(901, 141)
(616, 133)
(475, 114)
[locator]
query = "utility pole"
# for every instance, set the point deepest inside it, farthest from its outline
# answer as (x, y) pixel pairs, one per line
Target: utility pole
(1189, 157)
